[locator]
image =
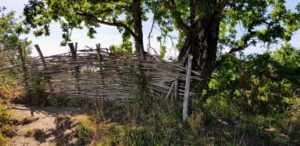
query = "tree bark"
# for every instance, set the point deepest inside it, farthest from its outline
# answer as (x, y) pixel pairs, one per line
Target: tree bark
(137, 18)
(201, 42)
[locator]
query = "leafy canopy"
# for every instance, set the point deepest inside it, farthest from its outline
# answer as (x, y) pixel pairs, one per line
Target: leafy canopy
(243, 23)
(79, 14)
(10, 40)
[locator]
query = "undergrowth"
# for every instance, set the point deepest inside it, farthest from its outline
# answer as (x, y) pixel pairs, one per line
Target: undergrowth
(9, 87)
(146, 121)
(7, 123)
(159, 122)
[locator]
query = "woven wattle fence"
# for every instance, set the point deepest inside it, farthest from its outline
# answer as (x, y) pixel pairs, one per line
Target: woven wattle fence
(100, 74)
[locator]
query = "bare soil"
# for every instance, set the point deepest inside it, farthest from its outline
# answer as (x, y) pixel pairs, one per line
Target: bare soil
(44, 126)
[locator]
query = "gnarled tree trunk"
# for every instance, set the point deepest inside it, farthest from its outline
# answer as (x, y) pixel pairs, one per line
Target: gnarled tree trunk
(201, 42)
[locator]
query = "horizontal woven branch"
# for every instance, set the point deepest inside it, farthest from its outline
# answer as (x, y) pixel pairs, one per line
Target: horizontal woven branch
(113, 76)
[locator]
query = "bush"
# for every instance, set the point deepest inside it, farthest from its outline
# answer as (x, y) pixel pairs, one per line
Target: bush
(9, 88)
(6, 126)
(3, 140)
(84, 135)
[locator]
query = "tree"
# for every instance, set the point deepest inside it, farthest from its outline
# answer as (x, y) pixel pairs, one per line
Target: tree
(12, 51)
(206, 27)
(10, 42)
(126, 15)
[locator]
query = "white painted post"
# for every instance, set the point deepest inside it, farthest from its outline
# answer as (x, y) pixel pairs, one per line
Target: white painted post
(187, 89)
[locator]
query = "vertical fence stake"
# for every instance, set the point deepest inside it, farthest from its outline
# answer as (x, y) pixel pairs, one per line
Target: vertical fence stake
(73, 50)
(170, 90)
(38, 49)
(98, 49)
(176, 89)
(99, 57)
(24, 68)
(187, 89)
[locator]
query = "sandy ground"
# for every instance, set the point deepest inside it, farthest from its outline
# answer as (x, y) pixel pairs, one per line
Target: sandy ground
(44, 126)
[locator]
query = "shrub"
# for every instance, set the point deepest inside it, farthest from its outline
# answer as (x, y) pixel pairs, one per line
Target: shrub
(3, 140)
(6, 126)
(84, 134)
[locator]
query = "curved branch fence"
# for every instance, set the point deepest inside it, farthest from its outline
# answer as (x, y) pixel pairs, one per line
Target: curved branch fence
(100, 74)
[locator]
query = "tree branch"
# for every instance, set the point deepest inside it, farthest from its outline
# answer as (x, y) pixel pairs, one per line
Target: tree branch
(171, 5)
(246, 40)
(117, 24)
(192, 11)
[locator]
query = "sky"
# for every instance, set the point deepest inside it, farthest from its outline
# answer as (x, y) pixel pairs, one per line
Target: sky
(50, 45)
(106, 35)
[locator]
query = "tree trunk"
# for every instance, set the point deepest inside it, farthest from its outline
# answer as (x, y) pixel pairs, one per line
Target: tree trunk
(201, 42)
(137, 18)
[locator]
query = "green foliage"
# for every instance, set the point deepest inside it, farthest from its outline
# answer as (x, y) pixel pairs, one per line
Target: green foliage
(9, 87)
(260, 83)
(6, 126)
(141, 122)
(241, 128)
(163, 51)
(259, 21)
(87, 14)
(84, 135)
(38, 95)
(9, 45)
(221, 121)
(3, 141)
(9, 34)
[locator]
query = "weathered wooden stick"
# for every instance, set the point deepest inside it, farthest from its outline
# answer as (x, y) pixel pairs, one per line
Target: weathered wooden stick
(169, 92)
(24, 68)
(37, 47)
(187, 89)
(176, 89)
(99, 56)
(98, 49)
(73, 50)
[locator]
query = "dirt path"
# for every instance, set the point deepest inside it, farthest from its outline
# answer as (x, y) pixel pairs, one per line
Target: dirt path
(44, 126)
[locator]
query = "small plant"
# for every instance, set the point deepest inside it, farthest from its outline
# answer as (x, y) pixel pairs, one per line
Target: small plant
(6, 126)
(85, 130)
(84, 135)
(9, 88)
(3, 140)
(29, 132)
(37, 95)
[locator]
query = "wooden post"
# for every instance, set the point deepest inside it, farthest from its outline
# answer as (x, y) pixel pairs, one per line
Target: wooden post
(99, 56)
(38, 49)
(24, 68)
(187, 89)
(73, 50)
(169, 92)
(98, 49)
(176, 89)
